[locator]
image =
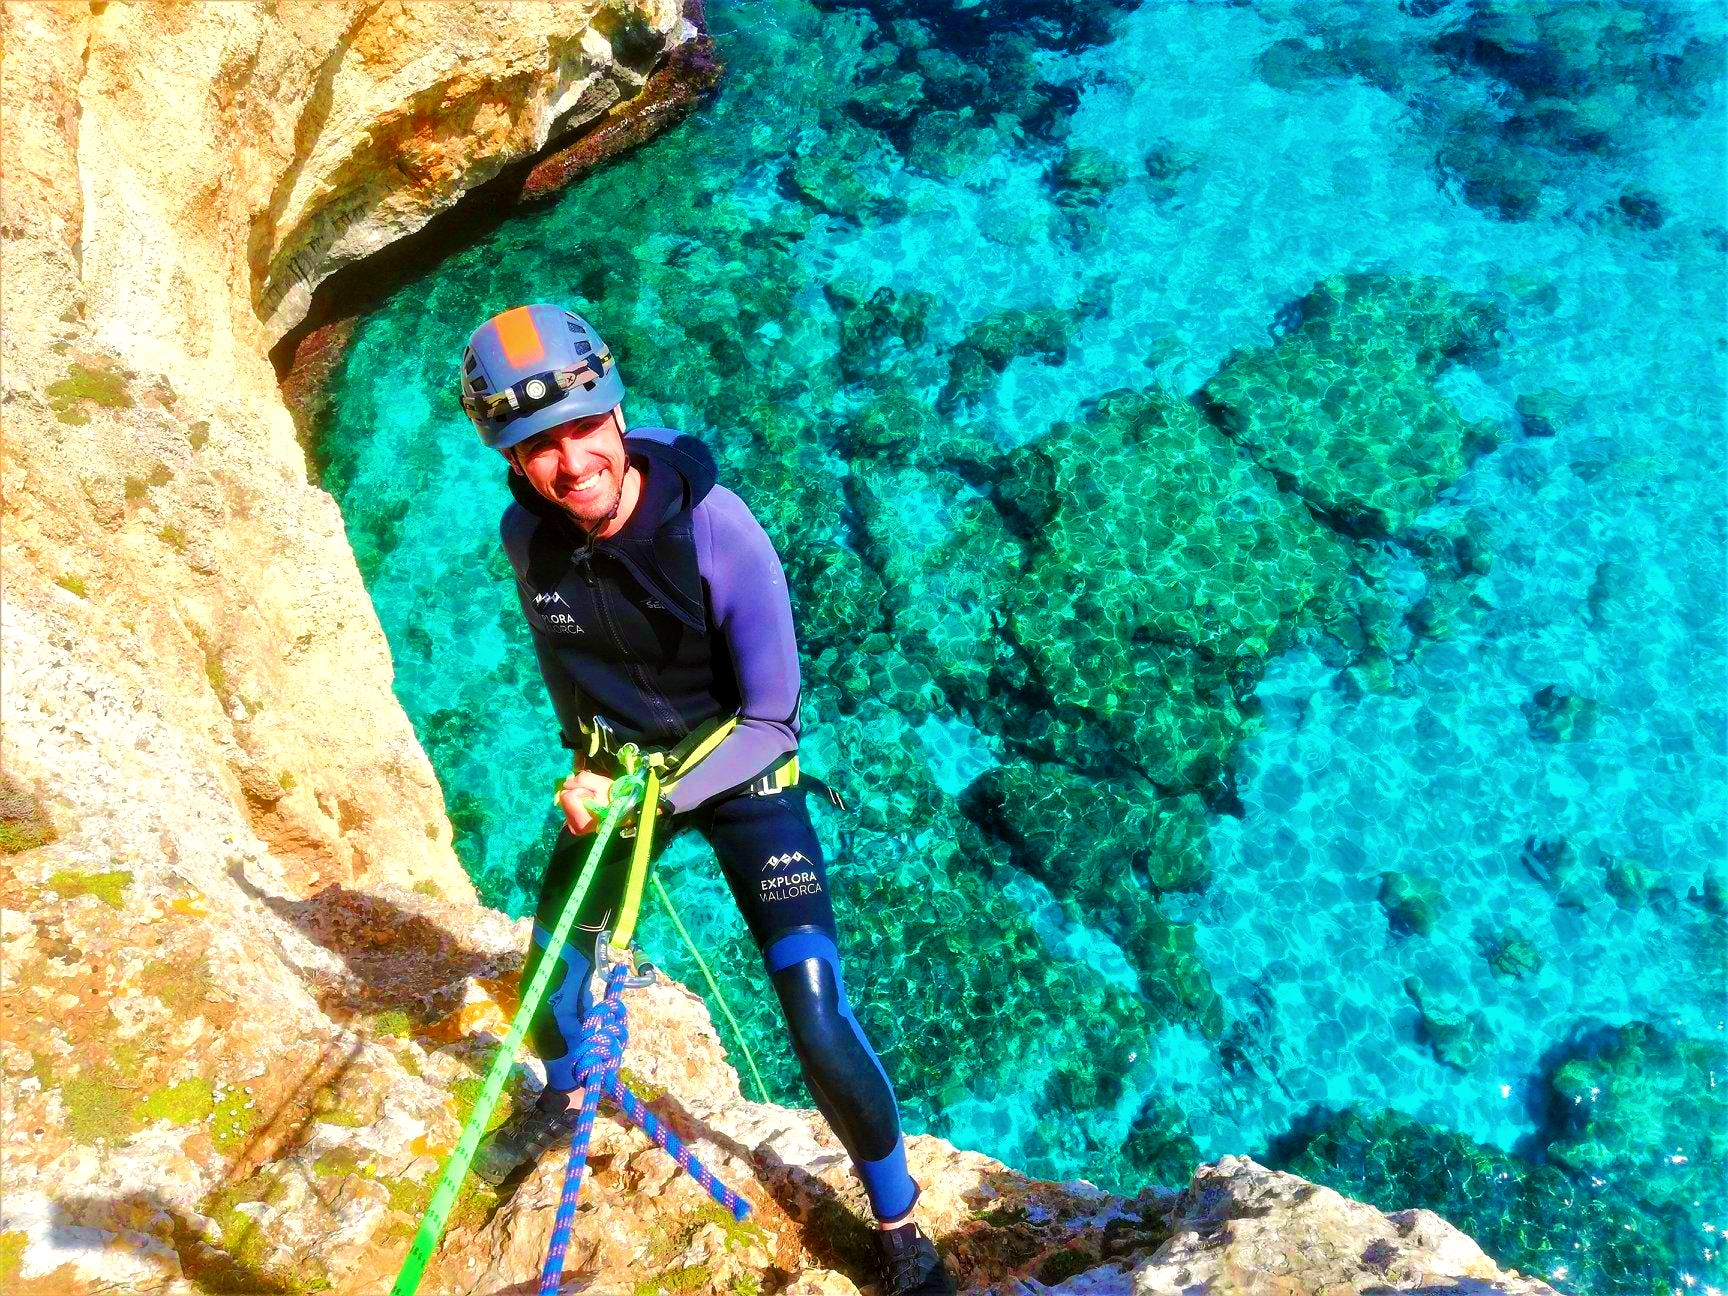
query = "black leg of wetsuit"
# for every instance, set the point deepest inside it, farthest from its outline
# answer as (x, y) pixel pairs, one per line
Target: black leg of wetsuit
(774, 865)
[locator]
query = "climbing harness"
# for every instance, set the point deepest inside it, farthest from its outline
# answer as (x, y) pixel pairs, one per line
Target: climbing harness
(605, 737)
(605, 1031)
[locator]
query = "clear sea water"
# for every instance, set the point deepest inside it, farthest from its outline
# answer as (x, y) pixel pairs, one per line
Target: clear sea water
(1259, 150)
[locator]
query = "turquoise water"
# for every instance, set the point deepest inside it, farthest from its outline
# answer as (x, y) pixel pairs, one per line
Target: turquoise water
(1144, 698)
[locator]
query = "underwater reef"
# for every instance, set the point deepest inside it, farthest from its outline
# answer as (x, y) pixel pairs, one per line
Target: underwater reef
(1522, 99)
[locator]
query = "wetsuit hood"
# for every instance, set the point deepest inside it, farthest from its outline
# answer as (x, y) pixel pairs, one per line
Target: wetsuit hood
(657, 544)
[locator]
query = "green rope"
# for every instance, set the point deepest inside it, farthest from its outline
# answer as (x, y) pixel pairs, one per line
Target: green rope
(625, 793)
(725, 1008)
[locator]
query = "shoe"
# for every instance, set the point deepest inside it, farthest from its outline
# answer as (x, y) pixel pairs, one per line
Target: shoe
(525, 1136)
(910, 1265)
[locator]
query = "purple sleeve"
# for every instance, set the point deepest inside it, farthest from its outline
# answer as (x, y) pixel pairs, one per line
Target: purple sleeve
(754, 612)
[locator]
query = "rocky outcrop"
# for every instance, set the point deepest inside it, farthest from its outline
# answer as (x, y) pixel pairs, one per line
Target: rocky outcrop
(308, 1168)
(179, 180)
(248, 993)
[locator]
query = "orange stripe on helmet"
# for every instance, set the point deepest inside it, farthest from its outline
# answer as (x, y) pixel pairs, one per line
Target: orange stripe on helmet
(520, 339)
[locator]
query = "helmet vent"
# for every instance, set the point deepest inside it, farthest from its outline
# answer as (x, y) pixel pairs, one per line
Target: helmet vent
(583, 348)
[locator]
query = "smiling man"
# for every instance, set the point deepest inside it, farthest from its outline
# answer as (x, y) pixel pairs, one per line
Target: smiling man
(659, 615)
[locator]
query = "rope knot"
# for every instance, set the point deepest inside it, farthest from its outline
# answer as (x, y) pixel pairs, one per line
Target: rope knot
(606, 1032)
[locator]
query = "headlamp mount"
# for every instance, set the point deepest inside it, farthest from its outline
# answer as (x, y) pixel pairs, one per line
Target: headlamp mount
(537, 391)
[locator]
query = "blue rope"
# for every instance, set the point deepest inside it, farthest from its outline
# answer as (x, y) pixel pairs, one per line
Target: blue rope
(605, 1032)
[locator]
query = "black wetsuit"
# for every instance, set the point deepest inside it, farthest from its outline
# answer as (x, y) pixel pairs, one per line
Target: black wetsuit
(680, 618)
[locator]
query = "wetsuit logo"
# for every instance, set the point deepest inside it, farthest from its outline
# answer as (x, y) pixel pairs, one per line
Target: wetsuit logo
(783, 861)
(654, 603)
(543, 600)
(784, 886)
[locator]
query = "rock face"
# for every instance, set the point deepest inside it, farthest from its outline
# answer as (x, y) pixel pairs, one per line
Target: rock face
(1240, 1228)
(248, 993)
(179, 179)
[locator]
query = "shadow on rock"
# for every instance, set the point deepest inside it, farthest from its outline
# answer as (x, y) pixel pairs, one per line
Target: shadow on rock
(391, 956)
(230, 1248)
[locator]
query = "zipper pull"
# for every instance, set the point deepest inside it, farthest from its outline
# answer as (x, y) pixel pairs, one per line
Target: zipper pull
(583, 558)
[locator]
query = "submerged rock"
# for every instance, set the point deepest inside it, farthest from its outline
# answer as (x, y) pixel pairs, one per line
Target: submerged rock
(850, 174)
(1643, 1107)
(1085, 177)
(1412, 904)
(878, 328)
(1164, 571)
(1561, 868)
(1457, 1035)
(1344, 406)
(1556, 714)
(1524, 102)
(1510, 954)
(1068, 832)
(978, 360)
(1543, 413)
(1632, 883)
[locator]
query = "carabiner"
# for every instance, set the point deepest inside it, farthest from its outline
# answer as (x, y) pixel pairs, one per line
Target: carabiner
(606, 957)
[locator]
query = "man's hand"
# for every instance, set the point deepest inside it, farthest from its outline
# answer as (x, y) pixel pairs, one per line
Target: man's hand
(589, 785)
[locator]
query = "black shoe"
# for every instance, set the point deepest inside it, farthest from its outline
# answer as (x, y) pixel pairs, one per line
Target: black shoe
(523, 1137)
(910, 1265)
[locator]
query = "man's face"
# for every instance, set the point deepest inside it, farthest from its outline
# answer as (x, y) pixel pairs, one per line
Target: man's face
(577, 465)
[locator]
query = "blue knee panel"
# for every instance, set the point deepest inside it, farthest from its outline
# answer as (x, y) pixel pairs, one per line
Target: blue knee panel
(891, 1189)
(569, 1001)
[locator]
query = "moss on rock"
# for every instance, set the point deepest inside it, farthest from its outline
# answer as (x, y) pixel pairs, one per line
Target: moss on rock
(96, 1106)
(184, 1103)
(12, 1244)
(87, 384)
(24, 822)
(233, 1119)
(106, 887)
(690, 1278)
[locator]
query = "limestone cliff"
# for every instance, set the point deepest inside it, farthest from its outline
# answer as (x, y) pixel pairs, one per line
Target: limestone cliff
(247, 988)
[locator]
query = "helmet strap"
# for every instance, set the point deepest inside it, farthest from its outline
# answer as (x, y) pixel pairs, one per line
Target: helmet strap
(620, 498)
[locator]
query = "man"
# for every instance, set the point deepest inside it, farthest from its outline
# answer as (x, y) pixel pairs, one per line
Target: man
(659, 615)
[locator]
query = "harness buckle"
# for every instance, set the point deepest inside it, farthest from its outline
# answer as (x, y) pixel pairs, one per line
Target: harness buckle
(608, 735)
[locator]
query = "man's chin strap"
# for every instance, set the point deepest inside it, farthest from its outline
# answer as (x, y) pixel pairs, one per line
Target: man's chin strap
(589, 538)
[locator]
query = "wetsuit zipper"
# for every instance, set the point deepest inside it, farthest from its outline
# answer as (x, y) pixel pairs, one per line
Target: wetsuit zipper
(637, 672)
